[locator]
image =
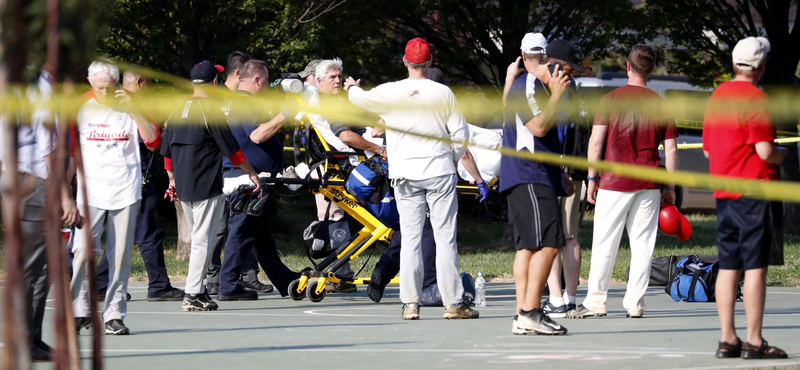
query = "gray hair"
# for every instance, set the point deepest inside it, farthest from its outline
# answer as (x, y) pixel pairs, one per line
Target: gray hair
(99, 69)
(425, 64)
(129, 76)
(326, 65)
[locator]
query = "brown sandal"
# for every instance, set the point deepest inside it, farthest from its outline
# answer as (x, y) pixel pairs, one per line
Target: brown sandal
(727, 350)
(751, 352)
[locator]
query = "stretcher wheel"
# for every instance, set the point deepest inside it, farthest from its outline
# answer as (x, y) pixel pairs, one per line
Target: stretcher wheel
(293, 291)
(311, 292)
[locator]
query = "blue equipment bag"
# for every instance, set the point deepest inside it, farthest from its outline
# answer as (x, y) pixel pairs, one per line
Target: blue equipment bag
(369, 183)
(695, 280)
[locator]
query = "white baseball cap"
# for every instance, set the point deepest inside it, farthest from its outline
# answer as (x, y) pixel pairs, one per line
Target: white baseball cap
(532, 41)
(749, 53)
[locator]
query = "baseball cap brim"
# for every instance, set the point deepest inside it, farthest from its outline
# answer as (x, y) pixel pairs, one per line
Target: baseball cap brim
(576, 67)
(219, 68)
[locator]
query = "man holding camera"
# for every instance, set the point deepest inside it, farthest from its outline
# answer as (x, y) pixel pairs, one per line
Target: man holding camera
(532, 188)
(108, 129)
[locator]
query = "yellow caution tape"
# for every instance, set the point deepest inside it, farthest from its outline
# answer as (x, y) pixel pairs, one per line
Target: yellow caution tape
(163, 104)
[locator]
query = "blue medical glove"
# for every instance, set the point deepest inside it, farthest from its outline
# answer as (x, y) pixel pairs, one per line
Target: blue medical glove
(484, 190)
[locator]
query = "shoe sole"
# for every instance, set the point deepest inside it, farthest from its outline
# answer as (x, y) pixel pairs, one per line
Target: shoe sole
(119, 332)
(526, 331)
(165, 299)
(411, 317)
(459, 317)
(634, 316)
(224, 298)
(557, 315)
(585, 316)
(188, 309)
(262, 291)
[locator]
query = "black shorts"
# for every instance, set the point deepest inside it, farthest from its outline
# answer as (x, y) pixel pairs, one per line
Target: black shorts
(745, 229)
(534, 211)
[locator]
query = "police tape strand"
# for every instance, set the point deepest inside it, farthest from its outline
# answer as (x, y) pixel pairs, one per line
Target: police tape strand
(16, 103)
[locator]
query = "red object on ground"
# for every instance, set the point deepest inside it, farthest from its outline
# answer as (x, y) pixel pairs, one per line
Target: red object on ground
(669, 219)
(685, 231)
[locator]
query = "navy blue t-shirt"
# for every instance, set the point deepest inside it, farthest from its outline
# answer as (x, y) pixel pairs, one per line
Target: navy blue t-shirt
(525, 100)
(264, 157)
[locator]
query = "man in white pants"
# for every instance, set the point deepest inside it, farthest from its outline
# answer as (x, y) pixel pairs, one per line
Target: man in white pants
(108, 129)
(196, 138)
(424, 173)
(630, 123)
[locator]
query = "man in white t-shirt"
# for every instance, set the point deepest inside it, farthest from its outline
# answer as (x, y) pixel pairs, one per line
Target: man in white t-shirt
(424, 173)
(108, 129)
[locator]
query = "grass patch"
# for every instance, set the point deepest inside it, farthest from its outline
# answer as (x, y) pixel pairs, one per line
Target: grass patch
(481, 243)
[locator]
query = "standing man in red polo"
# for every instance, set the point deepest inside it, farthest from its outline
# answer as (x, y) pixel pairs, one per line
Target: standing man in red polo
(738, 139)
(424, 173)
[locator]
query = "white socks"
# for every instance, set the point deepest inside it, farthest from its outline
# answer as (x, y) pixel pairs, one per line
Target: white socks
(556, 301)
(570, 299)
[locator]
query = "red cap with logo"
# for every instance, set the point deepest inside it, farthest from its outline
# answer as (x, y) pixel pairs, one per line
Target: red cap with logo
(418, 51)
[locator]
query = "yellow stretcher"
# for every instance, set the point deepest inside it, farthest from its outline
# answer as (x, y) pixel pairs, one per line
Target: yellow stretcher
(334, 170)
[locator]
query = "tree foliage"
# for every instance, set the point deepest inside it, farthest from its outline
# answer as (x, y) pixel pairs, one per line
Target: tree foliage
(702, 34)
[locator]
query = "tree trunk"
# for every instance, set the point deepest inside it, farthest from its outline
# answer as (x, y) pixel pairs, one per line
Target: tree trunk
(184, 233)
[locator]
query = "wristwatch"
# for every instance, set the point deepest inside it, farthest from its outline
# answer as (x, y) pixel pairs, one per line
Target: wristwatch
(595, 178)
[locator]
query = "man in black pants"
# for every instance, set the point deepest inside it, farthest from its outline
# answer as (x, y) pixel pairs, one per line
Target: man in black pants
(249, 231)
(249, 266)
(149, 234)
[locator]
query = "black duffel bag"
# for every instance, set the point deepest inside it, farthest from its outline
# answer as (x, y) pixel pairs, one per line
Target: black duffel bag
(663, 269)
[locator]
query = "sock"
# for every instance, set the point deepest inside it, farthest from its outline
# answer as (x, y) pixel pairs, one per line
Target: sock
(570, 299)
(556, 301)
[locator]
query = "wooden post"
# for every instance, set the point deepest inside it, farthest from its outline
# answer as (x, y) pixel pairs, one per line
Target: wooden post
(97, 324)
(16, 350)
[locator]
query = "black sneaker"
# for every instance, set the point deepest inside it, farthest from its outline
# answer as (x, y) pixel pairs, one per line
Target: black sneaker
(212, 288)
(552, 310)
(116, 327)
(171, 294)
(257, 286)
(536, 321)
(40, 355)
(571, 307)
(198, 302)
(377, 284)
(243, 295)
(82, 323)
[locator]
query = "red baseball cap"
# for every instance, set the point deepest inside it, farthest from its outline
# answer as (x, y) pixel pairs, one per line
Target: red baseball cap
(418, 51)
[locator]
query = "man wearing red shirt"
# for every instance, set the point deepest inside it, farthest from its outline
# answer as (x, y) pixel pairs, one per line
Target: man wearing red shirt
(630, 124)
(738, 139)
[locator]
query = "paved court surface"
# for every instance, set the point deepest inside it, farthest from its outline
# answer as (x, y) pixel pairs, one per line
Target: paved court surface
(349, 331)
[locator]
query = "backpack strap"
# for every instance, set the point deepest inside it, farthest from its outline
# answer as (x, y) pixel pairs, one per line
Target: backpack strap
(695, 278)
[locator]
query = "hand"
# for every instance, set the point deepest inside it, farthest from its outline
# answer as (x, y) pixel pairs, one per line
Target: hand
(668, 196)
(559, 82)
(170, 193)
(483, 190)
(71, 215)
(382, 153)
(351, 82)
(513, 69)
(254, 178)
(591, 193)
(124, 99)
